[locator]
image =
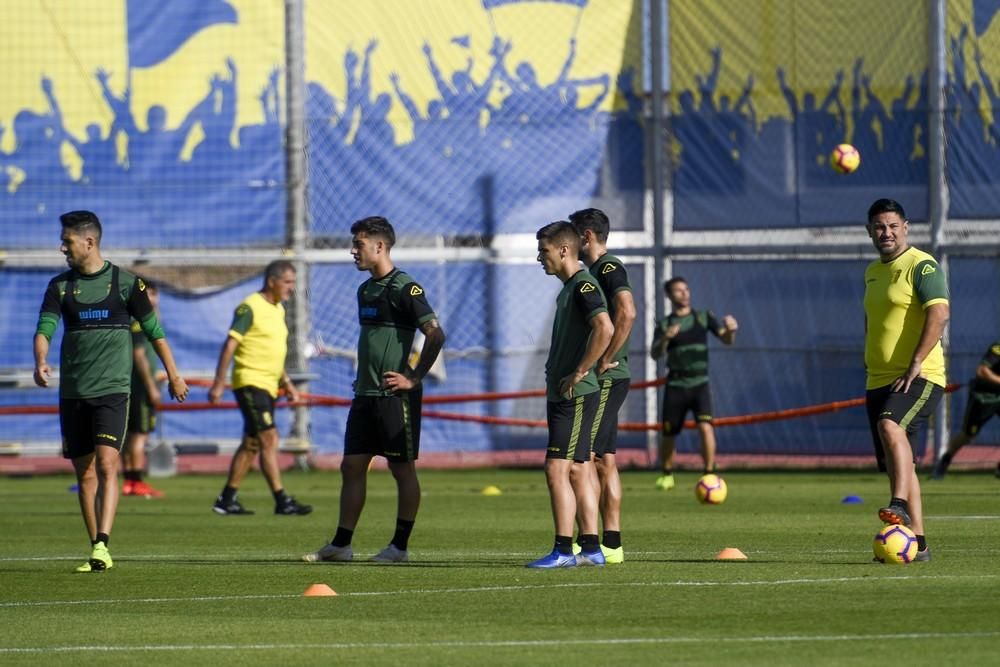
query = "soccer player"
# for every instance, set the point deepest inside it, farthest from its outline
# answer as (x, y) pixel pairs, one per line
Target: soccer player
(581, 332)
(145, 396)
(612, 371)
(97, 302)
(257, 345)
(906, 308)
(384, 419)
(983, 403)
(683, 336)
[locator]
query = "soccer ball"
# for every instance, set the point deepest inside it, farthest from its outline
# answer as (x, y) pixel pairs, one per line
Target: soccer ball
(895, 544)
(711, 490)
(845, 158)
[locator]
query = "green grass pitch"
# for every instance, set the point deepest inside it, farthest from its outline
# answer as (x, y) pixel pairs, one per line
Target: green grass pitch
(192, 587)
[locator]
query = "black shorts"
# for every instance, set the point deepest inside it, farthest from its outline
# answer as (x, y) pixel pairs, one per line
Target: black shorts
(678, 400)
(604, 435)
(88, 422)
(141, 414)
(257, 407)
(571, 423)
(909, 410)
(977, 413)
(386, 426)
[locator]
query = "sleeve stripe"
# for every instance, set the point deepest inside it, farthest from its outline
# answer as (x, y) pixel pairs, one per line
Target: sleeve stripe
(934, 301)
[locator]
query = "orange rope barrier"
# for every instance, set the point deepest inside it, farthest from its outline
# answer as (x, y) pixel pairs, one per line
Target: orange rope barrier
(336, 401)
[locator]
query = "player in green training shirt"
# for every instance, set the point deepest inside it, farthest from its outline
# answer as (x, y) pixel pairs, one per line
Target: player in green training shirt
(982, 405)
(683, 336)
(612, 370)
(906, 309)
(384, 419)
(581, 331)
(96, 301)
(142, 404)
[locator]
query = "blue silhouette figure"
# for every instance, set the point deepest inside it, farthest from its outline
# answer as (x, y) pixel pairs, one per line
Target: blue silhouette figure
(819, 128)
(38, 138)
(218, 118)
(158, 146)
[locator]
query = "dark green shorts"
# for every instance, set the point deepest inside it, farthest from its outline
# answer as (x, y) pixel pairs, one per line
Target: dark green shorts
(88, 422)
(386, 426)
(571, 424)
(257, 407)
(604, 435)
(909, 410)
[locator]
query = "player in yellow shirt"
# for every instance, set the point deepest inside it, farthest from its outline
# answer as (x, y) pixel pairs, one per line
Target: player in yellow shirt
(906, 309)
(257, 344)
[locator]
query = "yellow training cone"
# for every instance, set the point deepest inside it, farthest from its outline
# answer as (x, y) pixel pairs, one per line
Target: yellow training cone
(319, 590)
(492, 490)
(730, 553)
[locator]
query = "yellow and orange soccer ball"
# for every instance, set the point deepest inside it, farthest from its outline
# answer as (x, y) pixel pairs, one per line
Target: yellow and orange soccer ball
(845, 159)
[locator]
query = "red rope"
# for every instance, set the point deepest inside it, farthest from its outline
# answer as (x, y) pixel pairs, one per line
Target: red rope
(336, 401)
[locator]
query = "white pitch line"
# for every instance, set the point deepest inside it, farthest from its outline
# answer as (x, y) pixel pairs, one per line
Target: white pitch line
(493, 589)
(758, 639)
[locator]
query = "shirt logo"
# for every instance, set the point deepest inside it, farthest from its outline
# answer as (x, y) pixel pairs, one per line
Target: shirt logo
(586, 287)
(94, 314)
(142, 285)
(927, 270)
(608, 268)
(416, 291)
(895, 275)
(995, 349)
(368, 311)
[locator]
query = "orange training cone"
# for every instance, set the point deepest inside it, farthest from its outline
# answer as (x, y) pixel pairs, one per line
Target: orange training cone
(319, 590)
(730, 553)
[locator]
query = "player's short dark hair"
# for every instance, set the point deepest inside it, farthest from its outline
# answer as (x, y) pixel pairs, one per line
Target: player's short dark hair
(560, 232)
(82, 222)
(277, 269)
(885, 206)
(667, 286)
(375, 225)
(593, 219)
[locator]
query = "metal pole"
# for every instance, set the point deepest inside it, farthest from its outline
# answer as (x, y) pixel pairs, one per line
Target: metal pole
(296, 211)
(937, 179)
(657, 146)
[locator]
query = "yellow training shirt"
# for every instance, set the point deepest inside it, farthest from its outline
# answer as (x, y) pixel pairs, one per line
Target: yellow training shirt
(260, 328)
(897, 294)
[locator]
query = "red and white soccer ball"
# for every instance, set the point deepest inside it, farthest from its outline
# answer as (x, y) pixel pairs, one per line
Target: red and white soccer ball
(896, 545)
(845, 158)
(711, 489)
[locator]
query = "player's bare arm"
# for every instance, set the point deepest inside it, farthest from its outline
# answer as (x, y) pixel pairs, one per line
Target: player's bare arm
(624, 320)
(433, 342)
(175, 383)
(225, 357)
(985, 373)
(601, 331)
(291, 392)
(730, 326)
(936, 316)
(42, 370)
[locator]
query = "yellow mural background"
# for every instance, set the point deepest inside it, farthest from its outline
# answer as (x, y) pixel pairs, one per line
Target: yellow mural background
(608, 34)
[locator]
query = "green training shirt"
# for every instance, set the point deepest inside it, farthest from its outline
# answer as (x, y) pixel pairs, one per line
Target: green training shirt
(580, 300)
(987, 392)
(612, 277)
(390, 310)
(95, 358)
(687, 352)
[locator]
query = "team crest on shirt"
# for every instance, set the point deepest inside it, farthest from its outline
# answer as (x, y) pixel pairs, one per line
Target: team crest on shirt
(927, 270)
(142, 285)
(895, 275)
(995, 350)
(608, 268)
(416, 291)
(586, 287)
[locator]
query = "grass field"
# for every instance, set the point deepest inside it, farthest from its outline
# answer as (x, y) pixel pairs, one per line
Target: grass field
(192, 587)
